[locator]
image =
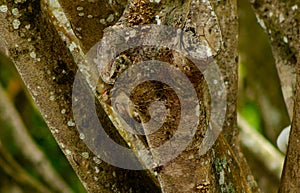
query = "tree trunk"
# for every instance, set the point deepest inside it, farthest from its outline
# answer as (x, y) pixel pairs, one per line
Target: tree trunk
(281, 23)
(48, 48)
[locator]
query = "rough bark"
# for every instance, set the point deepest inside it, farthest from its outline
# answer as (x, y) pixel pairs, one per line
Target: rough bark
(47, 68)
(290, 181)
(265, 91)
(47, 50)
(280, 20)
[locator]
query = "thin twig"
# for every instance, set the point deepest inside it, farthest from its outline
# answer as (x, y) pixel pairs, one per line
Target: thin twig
(27, 146)
(264, 151)
(13, 169)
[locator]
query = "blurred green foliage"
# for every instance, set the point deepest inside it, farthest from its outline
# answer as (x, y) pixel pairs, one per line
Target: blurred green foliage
(250, 112)
(36, 126)
(260, 97)
(257, 77)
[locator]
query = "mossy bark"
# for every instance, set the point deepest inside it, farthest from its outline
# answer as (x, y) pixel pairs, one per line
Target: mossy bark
(41, 53)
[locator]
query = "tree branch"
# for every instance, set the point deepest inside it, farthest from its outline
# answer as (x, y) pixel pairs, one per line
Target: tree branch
(16, 133)
(47, 68)
(280, 20)
(291, 172)
(264, 152)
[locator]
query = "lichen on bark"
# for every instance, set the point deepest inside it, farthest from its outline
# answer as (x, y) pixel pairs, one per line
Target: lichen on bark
(43, 52)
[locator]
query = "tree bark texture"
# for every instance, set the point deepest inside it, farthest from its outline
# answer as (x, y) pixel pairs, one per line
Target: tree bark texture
(48, 48)
(280, 21)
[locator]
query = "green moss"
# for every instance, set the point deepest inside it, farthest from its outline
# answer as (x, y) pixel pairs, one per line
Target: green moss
(220, 164)
(228, 188)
